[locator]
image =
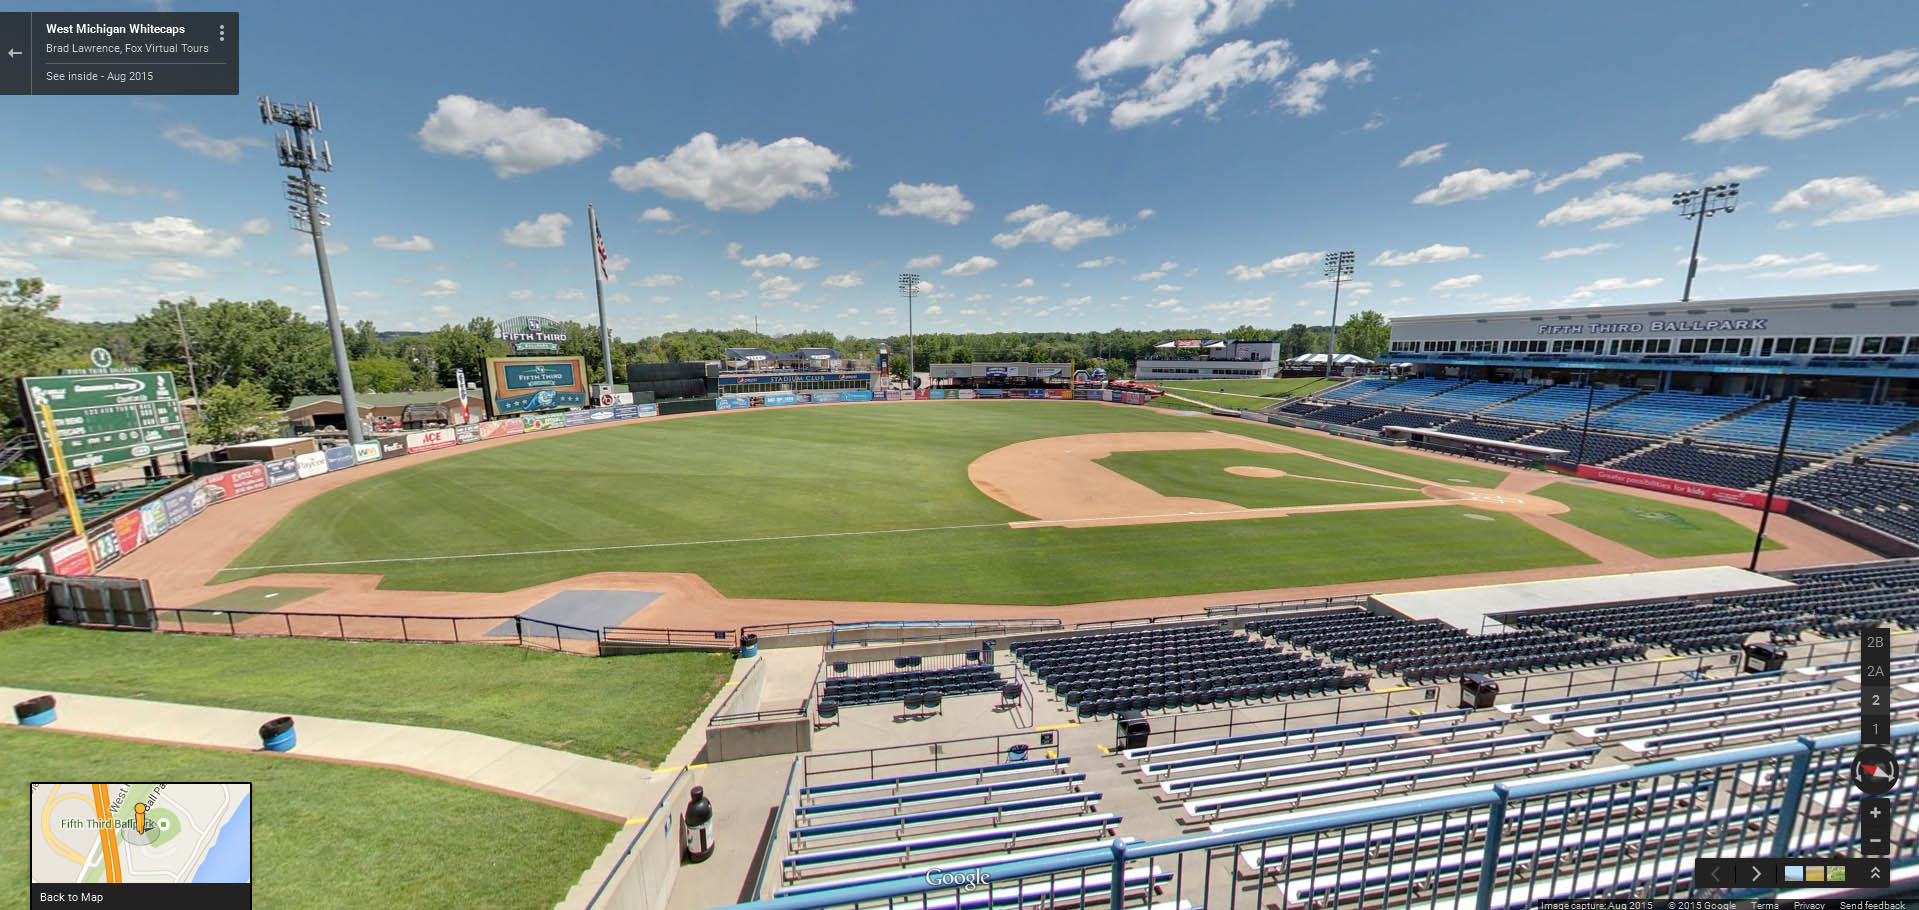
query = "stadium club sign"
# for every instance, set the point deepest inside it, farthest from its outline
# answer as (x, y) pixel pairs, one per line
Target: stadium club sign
(532, 335)
(1657, 325)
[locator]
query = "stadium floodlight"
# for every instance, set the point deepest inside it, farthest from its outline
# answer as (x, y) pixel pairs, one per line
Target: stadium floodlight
(909, 286)
(1697, 206)
(1339, 267)
(307, 201)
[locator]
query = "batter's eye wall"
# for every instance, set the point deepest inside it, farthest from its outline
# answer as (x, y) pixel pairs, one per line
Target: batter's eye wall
(517, 385)
(688, 379)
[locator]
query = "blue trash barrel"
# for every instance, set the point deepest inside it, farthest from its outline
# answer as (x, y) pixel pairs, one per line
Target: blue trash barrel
(34, 712)
(277, 735)
(749, 645)
(1016, 752)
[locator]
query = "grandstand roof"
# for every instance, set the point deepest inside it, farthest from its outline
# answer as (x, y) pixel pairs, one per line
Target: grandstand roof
(1465, 607)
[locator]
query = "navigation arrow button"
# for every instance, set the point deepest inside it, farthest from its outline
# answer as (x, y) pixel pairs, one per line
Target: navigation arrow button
(12, 53)
(1757, 873)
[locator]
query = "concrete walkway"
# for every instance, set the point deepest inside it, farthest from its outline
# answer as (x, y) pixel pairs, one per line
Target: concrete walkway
(604, 788)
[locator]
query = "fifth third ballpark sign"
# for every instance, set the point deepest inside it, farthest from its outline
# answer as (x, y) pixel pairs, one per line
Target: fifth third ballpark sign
(532, 335)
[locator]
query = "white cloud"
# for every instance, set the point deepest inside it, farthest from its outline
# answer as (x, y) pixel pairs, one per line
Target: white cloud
(1427, 155)
(569, 294)
(615, 264)
(725, 295)
(1374, 122)
(514, 141)
(934, 310)
(785, 20)
(657, 213)
(1847, 199)
(1613, 284)
(925, 262)
(1144, 214)
(1617, 209)
(1459, 283)
(660, 280)
(1078, 105)
(520, 294)
(1100, 263)
(1791, 107)
(256, 227)
(364, 294)
(1244, 307)
(1078, 301)
(63, 230)
(415, 244)
(741, 176)
(1514, 301)
(1476, 183)
(1026, 299)
(1897, 80)
(1024, 283)
(1305, 94)
(1736, 172)
(1041, 224)
(1168, 289)
(193, 140)
(1291, 262)
(620, 298)
(546, 230)
(304, 248)
(928, 200)
(1579, 251)
(174, 270)
(1761, 261)
(1663, 182)
(1202, 79)
(1823, 270)
(663, 299)
(732, 251)
(1438, 252)
(969, 312)
(779, 287)
(843, 280)
(444, 287)
(1152, 32)
(975, 298)
(781, 260)
(1591, 170)
(974, 266)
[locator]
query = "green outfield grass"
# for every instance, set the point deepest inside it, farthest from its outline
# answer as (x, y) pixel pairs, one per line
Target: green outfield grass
(327, 835)
(1201, 474)
(584, 705)
(1298, 387)
(1202, 400)
(1652, 527)
(870, 502)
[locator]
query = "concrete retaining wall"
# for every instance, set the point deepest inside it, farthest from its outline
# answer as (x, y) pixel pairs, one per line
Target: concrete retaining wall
(782, 736)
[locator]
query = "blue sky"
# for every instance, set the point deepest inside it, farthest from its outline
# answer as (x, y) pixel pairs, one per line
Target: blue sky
(1076, 165)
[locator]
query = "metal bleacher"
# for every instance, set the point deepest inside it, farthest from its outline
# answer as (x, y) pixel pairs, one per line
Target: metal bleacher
(1557, 403)
(1823, 427)
(1475, 395)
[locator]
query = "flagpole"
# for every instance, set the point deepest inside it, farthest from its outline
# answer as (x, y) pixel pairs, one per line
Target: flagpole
(599, 293)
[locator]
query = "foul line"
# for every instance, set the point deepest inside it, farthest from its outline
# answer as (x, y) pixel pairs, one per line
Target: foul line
(610, 547)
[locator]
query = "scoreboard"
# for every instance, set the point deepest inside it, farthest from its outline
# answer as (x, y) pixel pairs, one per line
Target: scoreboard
(106, 418)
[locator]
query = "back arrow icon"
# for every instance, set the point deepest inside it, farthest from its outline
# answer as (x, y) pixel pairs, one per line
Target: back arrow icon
(12, 53)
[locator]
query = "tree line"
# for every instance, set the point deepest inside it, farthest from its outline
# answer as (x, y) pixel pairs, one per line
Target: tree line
(270, 353)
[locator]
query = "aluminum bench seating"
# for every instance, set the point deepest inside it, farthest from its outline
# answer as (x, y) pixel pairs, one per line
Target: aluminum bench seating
(1214, 746)
(918, 873)
(998, 839)
(1630, 695)
(1084, 888)
(1771, 729)
(1456, 828)
(1311, 750)
(986, 813)
(977, 775)
(898, 802)
(1378, 784)
(1422, 874)
(1602, 713)
(1715, 717)
(1366, 764)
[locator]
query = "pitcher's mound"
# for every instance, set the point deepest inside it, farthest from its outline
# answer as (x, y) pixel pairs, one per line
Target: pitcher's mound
(1245, 470)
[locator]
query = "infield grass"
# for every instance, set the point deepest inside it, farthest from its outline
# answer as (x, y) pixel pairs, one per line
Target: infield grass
(1650, 526)
(1202, 474)
(327, 835)
(868, 502)
(631, 708)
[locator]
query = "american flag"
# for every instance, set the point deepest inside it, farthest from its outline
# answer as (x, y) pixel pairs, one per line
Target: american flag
(599, 244)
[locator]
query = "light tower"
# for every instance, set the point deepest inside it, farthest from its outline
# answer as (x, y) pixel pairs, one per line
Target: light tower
(1697, 206)
(1339, 267)
(909, 286)
(306, 202)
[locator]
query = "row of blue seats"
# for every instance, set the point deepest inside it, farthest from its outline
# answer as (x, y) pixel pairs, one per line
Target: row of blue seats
(1406, 392)
(1558, 403)
(1666, 413)
(1474, 396)
(1826, 427)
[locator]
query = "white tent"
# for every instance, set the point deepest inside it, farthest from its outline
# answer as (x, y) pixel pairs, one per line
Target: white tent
(1321, 358)
(1349, 358)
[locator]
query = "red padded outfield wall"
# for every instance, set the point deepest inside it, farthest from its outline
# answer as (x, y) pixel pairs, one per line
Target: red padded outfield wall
(1705, 491)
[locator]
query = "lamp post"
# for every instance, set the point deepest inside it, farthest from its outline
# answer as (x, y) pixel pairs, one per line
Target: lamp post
(1339, 267)
(306, 201)
(909, 286)
(1697, 206)
(186, 347)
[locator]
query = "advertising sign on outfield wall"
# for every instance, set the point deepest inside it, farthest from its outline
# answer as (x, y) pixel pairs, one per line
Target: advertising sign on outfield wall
(106, 547)
(731, 402)
(369, 451)
(512, 426)
(153, 519)
(573, 419)
(599, 415)
(71, 558)
(282, 471)
(129, 532)
(36, 563)
(774, 399)
(518, 384)
(857, 395)
(629, 411)
(237, 482)
(309, 464)
(1036, 393)
(1705, 491)
(1059, 393)
(991, 393)
(465, 434)
(181, 504)
(428, 440)
(968, 393)
(392, 446)
(339, 457)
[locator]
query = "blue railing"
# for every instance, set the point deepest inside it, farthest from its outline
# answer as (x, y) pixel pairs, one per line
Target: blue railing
(1630, 830)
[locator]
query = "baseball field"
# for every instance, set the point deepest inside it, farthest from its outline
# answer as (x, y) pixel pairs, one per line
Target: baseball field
(1028, 503)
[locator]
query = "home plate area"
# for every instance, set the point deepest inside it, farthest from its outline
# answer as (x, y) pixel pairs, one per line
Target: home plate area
(581, 614)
